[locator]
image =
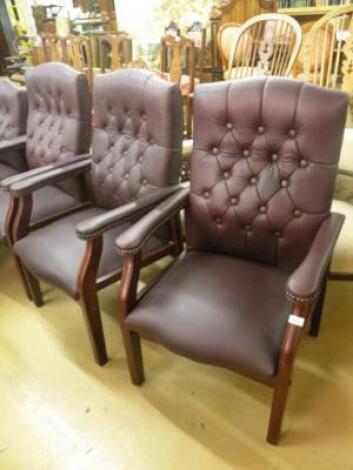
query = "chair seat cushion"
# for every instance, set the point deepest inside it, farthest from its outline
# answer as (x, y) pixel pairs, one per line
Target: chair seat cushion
(47, 201)
(218, 310)
(54, 253)
(342, 262)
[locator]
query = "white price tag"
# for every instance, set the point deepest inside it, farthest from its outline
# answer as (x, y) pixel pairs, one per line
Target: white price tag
(296, 320)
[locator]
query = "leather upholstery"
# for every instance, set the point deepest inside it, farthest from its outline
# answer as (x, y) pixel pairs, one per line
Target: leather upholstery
(55, 252)
(59, 114)
(13, 110)
(136, 137)
(262, 176)
(136, 150)
(46, 202)
(205, 308)
(13, 117)
(263, 167)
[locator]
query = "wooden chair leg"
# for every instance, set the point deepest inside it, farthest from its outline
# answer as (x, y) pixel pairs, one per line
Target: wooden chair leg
(133, 351)
(22, 274)
(34, 287)
(91, 311)
(315, 323)
(279, 401)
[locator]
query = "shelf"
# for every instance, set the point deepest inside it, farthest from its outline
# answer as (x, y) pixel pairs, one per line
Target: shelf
(307, 11)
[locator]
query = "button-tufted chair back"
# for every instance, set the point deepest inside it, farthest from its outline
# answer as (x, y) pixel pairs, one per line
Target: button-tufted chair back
(59, 114)
(263, 167)
(13, 110)
(136, 136)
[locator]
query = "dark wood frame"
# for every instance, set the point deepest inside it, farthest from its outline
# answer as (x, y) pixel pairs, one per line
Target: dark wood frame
(280, 382)
(18, 226)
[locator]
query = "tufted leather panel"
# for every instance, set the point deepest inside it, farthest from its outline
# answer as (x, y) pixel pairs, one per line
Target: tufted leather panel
(13, 110)
(258, 145)
(136, 137)
(59, 114)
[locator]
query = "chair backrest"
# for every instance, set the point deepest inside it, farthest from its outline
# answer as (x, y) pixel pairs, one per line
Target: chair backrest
(328, 57)
(267, 44)
(263, 167)
(13, 110)
(58, 125)
(54, 48)
(136, 137)
(113, 51)
(225, 40)
(80, 55)
(178, 58)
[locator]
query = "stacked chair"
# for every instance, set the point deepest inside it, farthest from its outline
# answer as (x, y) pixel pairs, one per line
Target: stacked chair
(134, 164)
(259, 234)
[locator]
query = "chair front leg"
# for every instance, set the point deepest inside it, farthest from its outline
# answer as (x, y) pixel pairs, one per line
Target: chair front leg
(287, 355)
(317, 313)
(127, 300)
(87, 289)
(17, 227)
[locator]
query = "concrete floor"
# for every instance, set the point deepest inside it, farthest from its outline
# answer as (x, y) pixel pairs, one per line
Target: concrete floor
(58, 410)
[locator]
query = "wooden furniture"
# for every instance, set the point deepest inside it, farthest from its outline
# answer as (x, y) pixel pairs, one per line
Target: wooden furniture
(308, 14)
(114, 51)
(197, 33)
(259, 235)
(342, 262)
(134, 166)
(328, 50)
(80, 56)
(225, 41)
(267, 44)
(178, 64)
(240, 11)
(54, 48)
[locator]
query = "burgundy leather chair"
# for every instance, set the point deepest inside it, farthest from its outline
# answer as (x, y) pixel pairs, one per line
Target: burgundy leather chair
(135, 163)
(13, 119)
(259, 234)
(58, 129)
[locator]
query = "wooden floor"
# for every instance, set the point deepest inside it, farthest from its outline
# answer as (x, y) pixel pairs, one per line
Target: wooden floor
(58, 410)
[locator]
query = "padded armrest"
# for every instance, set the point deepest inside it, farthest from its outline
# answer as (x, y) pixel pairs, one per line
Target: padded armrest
(133, 239)
(16, 142)
(99, 224)
(30, 184)
(7, 182)
(304, 284)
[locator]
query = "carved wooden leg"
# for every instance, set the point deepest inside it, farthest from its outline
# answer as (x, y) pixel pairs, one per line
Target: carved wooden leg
(133, 351)
(317, 313)
(22, 274)
(277, 411)
(34, 287)
(91, 311)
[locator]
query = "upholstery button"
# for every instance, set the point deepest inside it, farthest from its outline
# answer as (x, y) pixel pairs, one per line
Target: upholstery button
(140, 159)
(125, 153)
(292, 133)
(274, 157)
(262, 209)
(206, 194)
(151, 141)
(253, 180)
(126, 176)
(144, 116)
(284, 183)
(303, 163)
(278, 234)
(215, 150)
(234, 201)
(226, 174)
(229, 125)
(218, 221)
(246, 153)
(144, 181)
(261, 130)
(247, 227)
(297, 213)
